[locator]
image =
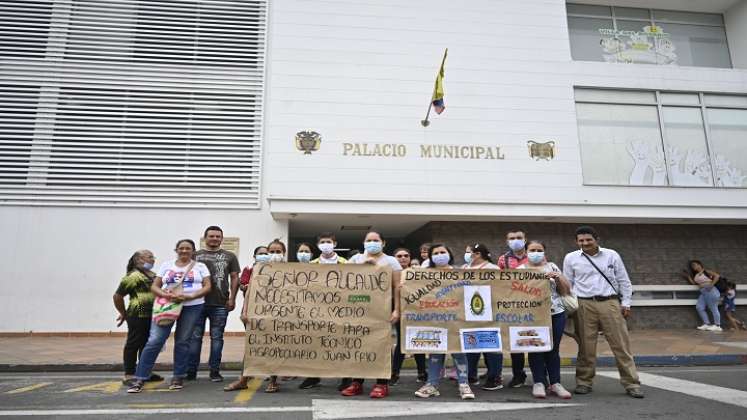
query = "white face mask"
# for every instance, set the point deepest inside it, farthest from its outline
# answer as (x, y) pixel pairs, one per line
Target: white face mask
(326, 248)
(276, 258)
(303, 257)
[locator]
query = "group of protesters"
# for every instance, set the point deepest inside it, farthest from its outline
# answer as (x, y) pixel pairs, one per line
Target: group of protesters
(210, 280)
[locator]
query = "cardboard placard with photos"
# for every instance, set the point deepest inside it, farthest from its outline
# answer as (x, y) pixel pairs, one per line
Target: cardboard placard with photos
(471, 311)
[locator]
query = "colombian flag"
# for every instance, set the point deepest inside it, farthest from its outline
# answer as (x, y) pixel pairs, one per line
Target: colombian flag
(438, 90)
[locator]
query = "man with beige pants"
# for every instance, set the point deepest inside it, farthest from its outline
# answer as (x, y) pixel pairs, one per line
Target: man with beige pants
(604, 292)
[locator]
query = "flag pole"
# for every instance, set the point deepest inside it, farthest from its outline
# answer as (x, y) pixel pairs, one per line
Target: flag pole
(425, 122)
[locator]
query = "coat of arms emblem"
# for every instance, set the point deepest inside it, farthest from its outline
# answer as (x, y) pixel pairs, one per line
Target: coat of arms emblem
(539, 151)
(308, 141)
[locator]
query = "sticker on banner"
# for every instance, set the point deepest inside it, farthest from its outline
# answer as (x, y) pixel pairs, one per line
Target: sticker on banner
(478, 340)
(426, 339)
(530, 339)
(477, 303)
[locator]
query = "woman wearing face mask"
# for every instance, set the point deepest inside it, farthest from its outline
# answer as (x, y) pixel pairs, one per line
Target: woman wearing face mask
(548, 364)
(441, 259)
(403, 257)
(303, 253)
(194, 278)
(260, 256)
(136, 284)
(277, 251)
(478, 258)
(373, 245)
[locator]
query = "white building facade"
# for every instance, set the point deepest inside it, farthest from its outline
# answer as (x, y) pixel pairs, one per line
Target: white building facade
(131, 124)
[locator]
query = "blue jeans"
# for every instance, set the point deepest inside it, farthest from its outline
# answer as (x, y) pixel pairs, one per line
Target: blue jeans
(548, 363)
(493, 361)
(218, 316)
(436, 366)
(157, 338)
(709, 298)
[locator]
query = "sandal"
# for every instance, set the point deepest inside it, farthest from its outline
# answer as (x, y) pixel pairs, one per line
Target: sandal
(272, 387)
(235, 386)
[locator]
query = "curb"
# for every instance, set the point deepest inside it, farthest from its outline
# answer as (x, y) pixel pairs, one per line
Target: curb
(603, 361)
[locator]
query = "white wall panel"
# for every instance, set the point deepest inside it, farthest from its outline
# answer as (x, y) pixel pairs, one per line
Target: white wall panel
(362, 72)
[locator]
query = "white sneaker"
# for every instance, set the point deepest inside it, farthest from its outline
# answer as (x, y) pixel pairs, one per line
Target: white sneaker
(466, 392)
(704, 327)
(715, 328)
(538, 391)
(427, 391)
(561, 392)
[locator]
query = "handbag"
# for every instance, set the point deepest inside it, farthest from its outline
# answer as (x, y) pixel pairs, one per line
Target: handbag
(166, 311)
(570, 303)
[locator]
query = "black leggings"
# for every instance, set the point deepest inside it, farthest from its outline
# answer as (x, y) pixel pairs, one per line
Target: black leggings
(138, 330)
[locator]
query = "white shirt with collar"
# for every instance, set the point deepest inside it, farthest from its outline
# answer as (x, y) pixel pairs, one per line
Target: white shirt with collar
(586, 280)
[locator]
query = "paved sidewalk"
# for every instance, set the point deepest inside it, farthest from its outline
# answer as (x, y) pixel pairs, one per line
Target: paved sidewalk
(104, 352)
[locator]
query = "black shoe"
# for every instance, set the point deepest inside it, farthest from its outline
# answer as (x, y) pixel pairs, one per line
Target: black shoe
(473, 381)
(394, 380)
(191, 376)
(176, 385)
(309, 383)
(215, 376)
(492, 384)
(154, 378)
(344, 383)
(422, 377)
(635, 392)
(483, 376)
(518, 381)
(136, 387)
(582, 390)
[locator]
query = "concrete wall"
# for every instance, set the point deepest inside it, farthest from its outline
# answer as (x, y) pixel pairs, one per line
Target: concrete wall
(362, 72)
(62, 265)
(653, 253)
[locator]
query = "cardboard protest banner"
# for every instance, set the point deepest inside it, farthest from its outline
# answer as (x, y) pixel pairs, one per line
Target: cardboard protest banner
(319, 320)
(475, 311)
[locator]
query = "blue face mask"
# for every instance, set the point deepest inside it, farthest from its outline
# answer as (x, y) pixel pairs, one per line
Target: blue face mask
(536, 257)
(262, 258)
(373, 247)
(303, 257)
(516, 244)
(147, 266)
(440, 259)
(468, 257)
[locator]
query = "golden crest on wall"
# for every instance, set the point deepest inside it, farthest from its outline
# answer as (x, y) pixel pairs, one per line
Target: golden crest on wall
(539, 151)
(308, 141)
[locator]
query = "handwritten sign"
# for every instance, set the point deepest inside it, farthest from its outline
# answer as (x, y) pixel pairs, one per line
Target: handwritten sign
(470, 311)
(319, 321)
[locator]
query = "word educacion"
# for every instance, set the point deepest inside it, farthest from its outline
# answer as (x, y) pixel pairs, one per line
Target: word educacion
(427, 151)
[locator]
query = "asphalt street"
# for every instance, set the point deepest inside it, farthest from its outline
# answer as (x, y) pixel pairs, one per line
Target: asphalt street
(671, 393)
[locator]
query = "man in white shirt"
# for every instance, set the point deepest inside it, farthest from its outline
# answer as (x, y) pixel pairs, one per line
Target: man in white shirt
(604, 292)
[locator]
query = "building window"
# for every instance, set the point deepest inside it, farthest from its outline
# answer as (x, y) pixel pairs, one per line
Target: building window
(653, 138)
(131, 102)
(647, 36)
